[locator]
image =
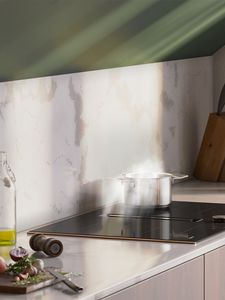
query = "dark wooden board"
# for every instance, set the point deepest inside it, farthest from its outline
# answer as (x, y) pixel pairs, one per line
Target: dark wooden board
(8, 286)
(211, 158)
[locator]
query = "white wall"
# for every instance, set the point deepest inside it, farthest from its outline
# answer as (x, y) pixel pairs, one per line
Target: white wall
(150, 116)
(63, 134)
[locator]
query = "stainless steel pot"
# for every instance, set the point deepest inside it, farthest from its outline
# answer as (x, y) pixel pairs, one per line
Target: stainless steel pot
(149, 189)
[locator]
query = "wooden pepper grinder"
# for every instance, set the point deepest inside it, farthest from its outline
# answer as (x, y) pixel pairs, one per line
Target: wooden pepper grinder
(50, 246)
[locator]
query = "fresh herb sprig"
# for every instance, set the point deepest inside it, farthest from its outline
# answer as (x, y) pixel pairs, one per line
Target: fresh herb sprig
(21, 265)
(33, 280)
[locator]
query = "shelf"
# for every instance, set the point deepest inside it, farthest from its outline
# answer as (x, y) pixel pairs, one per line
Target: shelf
(196, 190)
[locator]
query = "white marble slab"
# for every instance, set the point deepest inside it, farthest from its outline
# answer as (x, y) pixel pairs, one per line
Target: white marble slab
(64, 134)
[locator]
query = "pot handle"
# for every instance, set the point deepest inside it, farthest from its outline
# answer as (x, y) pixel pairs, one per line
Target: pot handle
(176, 176)
(179, 176)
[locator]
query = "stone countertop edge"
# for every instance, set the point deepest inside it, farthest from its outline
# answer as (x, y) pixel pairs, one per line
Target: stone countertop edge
(174, 259)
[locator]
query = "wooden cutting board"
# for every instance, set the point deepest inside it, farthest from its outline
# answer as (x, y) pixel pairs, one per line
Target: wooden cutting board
(8, 286)
(210, 163)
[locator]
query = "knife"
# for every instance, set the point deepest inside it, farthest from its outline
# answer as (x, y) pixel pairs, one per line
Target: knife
(65, 280)
(221, 101)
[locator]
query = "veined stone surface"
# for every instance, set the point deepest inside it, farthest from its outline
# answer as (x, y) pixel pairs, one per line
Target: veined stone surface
(66, 136)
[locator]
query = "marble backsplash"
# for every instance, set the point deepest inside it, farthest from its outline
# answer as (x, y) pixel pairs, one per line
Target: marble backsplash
(67, 136)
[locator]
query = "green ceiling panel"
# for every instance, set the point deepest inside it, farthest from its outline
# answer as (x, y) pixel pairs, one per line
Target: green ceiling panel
(49, 37)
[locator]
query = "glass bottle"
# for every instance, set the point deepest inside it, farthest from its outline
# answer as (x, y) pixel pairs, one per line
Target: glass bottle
(7, 203)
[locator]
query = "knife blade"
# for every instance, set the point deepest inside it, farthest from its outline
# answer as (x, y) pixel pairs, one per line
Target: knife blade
(65, 280)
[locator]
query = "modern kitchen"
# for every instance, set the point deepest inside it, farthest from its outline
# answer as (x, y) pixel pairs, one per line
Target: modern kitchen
(112, 144)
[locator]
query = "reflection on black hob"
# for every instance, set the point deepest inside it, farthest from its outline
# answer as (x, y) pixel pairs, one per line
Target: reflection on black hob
(184, 222)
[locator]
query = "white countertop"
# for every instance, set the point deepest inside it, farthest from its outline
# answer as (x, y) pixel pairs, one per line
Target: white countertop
(107, 266)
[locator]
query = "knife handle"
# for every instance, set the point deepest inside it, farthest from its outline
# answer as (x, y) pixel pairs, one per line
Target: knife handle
(72, 285)
(221, 103)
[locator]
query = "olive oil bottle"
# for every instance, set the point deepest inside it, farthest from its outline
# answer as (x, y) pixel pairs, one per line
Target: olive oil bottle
(7, 203)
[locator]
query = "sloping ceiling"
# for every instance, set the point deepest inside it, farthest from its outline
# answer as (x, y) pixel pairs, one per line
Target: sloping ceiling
(49, 37)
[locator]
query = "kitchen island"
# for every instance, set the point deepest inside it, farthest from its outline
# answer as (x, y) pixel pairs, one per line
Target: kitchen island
(105, 267)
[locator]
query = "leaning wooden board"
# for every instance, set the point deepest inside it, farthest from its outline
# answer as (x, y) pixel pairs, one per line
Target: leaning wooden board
(8, 286)
(210, 163)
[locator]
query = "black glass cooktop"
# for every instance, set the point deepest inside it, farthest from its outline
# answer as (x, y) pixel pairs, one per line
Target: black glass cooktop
(181, 222)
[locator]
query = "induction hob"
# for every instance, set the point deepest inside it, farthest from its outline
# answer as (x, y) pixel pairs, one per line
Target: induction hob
(181, 222)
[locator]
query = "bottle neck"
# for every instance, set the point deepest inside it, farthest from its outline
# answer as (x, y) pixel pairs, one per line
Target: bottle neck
(4, 167)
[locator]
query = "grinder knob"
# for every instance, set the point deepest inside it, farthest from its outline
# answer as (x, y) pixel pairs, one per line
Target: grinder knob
(50, 246)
